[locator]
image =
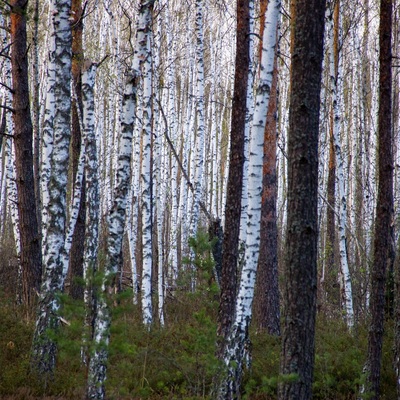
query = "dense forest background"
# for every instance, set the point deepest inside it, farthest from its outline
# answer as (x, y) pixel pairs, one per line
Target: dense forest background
(198, 199)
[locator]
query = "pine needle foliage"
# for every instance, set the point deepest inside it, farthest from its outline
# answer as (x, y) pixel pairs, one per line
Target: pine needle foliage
(178, 361)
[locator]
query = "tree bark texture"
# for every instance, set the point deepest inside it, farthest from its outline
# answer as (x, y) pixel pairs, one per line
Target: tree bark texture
(329, 279)
(77, 248)
(56, 141)
(267, 304)
(384, 207)
(117, 214)
(229, 274)
(31, 257)
(36, 114)
(297, 358)
(336, 88)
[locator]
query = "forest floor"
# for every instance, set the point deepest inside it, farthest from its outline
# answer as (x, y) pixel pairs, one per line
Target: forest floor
(178, 360)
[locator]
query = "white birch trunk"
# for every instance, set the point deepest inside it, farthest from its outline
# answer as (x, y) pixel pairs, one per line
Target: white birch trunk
(75, 205)
(345, 283)
(248, 127)
(200, 111)
(11, 184)
(47, 145)
(186, 193)
(158, 181)
(3, 196)
(12, 201)
(236, 347)
(132, 227)
(224, 175)
(12, 195)
(116, 224)
(146, 196)
(56, 135)
(89, 143)
(172, 129)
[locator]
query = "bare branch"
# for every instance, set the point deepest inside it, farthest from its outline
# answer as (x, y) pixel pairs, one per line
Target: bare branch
(101, 62)
(7, 108)
(7, 3)
(7, 135)
(4, 51)
(7, 87)
(184, 173)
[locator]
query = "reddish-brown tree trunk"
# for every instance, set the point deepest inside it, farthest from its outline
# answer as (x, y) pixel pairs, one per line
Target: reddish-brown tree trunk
(302, 229)
(235, 177)
(384, 206)
(31, 260)
(266, 302)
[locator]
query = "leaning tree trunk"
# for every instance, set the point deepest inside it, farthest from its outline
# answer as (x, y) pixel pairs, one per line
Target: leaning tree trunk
(384, 205)
(116, 218)
(297, 358)
(116, 223)
(31, 257)
(78, 239)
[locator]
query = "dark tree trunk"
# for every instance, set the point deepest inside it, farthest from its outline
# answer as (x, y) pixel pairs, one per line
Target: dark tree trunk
(235, 178)
(330, 282)
(297, 357)
(266, 301)
(384, 206)
(397, 319)
(78, 240)
(36, 115)
(31, 260)
(3, 124)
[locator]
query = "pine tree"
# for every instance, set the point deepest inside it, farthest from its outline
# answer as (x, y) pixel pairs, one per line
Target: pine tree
(31, 258)
(384, 205)
(297, 358)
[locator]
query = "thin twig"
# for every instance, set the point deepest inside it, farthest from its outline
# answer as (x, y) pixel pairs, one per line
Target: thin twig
(7, 108)
(7, 87)
(184, 173)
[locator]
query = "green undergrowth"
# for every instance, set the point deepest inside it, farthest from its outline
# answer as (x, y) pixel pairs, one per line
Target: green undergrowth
(177, 361)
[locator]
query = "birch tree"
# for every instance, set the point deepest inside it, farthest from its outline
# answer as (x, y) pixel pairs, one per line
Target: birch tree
(56, 148)
(234, 186)
(144, 54)
(116, 223)
(237, 341)
(200, 118)
(9, 187)
(77, 244)
(116, 218)
(335, 78)
(267, 304)
(90, 254)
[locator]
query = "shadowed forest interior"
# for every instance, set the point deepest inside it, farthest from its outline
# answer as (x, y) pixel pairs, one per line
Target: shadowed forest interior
(198, 199)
